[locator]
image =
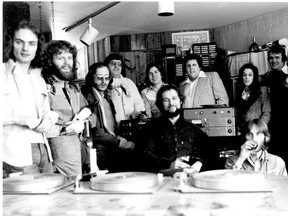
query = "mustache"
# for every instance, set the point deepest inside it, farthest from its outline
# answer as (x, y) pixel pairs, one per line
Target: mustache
(63, 66)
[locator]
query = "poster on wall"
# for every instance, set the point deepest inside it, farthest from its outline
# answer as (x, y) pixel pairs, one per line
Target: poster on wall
(186, 39)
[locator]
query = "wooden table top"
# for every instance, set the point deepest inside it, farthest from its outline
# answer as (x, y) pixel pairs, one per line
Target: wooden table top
(165, 201)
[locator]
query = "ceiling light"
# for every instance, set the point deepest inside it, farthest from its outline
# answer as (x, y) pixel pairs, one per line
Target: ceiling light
(166, 8)
(89, 34)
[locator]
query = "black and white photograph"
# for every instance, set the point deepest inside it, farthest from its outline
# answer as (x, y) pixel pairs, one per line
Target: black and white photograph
(144, 108)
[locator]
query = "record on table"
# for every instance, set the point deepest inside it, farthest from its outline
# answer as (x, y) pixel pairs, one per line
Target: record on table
(124, 182)
(32, 182)
(227, 179)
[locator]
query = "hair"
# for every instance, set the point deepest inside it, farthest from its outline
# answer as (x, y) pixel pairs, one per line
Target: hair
(254, 88)
(149, 66)
(9, 37)
(278, 49)
(89, 79)
(192, 57)
(54, 47)
(255, 83)
(164, 88)
(113, 56)
(260, 125)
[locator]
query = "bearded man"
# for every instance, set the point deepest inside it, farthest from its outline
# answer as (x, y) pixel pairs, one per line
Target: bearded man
(67, 100)
(170, 141)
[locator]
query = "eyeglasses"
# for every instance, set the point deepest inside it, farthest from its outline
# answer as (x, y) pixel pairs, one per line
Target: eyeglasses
(114, 63)
(101, 78)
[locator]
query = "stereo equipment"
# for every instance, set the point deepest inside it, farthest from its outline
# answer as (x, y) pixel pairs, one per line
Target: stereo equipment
(218, 121)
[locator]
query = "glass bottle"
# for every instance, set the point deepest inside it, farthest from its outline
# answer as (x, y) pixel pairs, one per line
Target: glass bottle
(254, 46)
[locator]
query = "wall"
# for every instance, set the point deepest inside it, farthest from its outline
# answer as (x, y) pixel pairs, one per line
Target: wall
(266, 28)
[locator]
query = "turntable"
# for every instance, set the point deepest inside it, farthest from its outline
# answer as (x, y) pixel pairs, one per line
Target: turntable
(38, 183)
(123, 183)
(225, 180)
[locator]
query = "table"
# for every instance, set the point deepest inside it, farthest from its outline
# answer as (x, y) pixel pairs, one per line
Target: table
(166, 201)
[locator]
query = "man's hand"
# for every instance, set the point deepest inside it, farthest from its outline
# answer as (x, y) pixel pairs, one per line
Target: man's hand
(32, 123)
(75, 127)
(125, 144)
(128, 145)
(180, 163)
(45, 125)
(247, 149)
(135, 115)
(122, 141)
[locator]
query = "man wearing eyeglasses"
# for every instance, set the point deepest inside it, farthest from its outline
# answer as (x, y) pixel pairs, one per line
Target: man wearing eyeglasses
(124, 94)
(113, 151)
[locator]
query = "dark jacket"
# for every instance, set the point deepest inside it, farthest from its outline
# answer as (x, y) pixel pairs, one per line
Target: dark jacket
(100, 135)
(163, 142)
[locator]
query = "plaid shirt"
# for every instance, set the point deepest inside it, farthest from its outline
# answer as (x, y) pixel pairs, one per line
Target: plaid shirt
(208, 91)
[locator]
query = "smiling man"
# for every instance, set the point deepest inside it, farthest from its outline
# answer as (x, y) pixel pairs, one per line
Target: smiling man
(201, 88)
(170, 141)
(26, 111)
(67, 100)
(112, 150)
(124, 94)
(277, 81)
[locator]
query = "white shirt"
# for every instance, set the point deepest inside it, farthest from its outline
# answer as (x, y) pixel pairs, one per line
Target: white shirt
(24, 98)
(190, 90)
(125, 105)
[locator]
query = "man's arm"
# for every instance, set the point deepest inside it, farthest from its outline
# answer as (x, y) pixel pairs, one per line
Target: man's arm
(220, 93)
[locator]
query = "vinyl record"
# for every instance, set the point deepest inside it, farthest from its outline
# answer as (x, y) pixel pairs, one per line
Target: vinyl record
(32, 182)
(124, 182)
(227, 179)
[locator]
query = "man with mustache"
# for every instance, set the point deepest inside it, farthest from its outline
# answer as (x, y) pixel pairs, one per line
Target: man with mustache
(112, 150)
(170, 141)
(66, 99)
(277, 81)
(124, 94)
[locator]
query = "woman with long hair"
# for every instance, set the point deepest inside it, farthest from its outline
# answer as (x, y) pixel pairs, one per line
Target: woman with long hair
(252, 100)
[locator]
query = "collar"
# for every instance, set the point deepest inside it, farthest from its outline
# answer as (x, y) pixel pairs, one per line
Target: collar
(262, 159)
(188, 81)
(151, 87)
(10, 66)
(52, 80)
(285, 69)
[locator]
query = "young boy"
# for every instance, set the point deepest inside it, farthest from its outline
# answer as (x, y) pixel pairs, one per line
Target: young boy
(253, 154)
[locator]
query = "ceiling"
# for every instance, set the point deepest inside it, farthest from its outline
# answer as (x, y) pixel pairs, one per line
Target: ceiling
(141, 17)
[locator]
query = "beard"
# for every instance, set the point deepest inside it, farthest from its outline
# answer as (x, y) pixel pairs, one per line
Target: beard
(169, 114)
(67, 76)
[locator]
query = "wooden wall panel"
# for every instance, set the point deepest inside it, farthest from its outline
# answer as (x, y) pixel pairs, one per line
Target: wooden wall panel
(157, 42)
(134, 42)
(142, 63)
(135, 66)
(90, 52)
(149, 41)
(166, 38)
(130, 71)
(115, 43)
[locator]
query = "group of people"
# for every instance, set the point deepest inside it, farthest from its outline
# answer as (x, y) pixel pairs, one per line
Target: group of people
(263, 97)
(45, 112)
